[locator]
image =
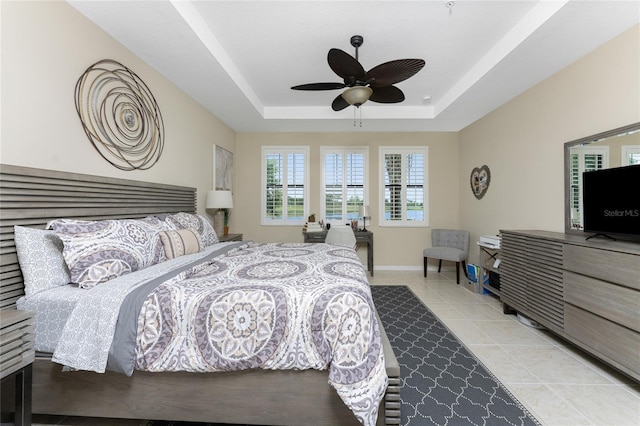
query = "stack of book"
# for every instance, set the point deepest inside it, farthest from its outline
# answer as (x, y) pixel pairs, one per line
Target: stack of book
(312, 227)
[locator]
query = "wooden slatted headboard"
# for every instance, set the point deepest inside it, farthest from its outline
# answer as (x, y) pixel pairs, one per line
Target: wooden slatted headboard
(33, 197)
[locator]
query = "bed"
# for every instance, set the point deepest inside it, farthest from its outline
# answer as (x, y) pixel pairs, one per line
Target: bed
(34, 197)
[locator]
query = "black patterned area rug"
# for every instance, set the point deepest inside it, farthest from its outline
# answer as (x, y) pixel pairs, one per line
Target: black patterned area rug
(443, 383)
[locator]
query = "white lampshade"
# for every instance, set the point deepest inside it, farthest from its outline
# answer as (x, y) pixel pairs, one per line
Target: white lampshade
(357, 95)
(219, 200)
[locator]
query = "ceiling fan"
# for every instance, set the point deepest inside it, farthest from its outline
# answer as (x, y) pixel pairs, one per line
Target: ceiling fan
(375, 85)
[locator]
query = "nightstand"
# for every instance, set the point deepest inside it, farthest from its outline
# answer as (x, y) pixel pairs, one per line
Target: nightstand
(230, 237)
(16, 358)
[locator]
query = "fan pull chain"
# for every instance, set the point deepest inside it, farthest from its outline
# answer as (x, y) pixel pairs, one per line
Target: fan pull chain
(355, 108)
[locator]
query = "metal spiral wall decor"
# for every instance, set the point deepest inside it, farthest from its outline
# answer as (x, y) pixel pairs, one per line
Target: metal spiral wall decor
(120, 115)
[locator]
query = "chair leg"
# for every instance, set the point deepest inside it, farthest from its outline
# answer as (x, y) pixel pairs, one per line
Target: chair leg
(425, 267)
(439, 265)
(464, 269)
(457, 272)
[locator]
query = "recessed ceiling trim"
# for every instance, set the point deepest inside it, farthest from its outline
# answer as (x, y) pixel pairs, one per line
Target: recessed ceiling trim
(373, 112)
(531, 22)
(192, 17)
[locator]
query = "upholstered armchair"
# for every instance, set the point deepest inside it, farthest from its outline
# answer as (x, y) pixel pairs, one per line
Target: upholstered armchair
(451, 245)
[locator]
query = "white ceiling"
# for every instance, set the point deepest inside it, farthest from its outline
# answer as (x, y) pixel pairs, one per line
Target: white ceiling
(239, 59)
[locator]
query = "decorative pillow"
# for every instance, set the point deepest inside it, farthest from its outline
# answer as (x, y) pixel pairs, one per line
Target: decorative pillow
(40, 257)
(198, 223)
(181, 242)
(162, 216)
(97, 252)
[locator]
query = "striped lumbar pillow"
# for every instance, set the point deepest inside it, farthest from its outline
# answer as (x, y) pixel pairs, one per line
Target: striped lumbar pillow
(180, 242)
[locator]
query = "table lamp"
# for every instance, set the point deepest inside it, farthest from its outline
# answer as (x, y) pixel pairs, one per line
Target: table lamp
(219, 201)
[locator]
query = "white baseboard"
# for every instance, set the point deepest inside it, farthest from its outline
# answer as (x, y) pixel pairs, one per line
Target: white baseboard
(412, 268)
(397, 268)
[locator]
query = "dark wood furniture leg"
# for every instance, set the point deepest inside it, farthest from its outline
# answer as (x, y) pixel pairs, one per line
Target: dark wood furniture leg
(23, 396)
(370, 254)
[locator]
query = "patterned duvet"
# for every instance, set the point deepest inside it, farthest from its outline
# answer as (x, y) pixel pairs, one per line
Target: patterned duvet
(271, 306)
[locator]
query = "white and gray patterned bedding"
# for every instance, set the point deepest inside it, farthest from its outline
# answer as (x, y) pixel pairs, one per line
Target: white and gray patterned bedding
(52, 308)
(271, 306)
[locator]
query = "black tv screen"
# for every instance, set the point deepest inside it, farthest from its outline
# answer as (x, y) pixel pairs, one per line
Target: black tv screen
(611, 201)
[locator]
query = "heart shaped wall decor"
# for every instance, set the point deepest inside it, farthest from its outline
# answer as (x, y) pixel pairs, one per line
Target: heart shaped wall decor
(480, 178)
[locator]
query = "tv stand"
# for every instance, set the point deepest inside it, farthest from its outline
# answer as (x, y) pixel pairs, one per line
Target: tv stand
(600, 234)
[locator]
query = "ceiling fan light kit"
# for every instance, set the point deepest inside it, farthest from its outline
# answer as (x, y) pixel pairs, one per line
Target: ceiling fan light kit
(357, 95)
(375, 85)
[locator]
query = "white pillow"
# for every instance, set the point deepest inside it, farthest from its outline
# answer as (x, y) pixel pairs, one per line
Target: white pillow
(40, 257)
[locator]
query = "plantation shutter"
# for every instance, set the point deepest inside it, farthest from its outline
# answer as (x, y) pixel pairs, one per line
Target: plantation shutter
(333, 186)
(415, 187)
(295, 187)
(404, 186)
(285, 179)
(393, 186)
(583, 159)
(344, 181)
(274, 187)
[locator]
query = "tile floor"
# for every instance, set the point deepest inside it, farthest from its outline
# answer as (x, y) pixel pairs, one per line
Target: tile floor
(559, 384)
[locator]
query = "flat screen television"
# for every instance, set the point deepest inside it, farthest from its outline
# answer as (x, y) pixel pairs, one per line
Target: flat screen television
(611, 202)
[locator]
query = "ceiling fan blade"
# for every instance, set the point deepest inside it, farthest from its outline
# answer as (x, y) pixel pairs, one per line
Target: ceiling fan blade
(339, 103)
(319, 86)
(393, 72)
(387, 95)
(345, 65)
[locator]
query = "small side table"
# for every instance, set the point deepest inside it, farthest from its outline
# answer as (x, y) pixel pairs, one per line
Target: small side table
(230, 237)
(16, 358)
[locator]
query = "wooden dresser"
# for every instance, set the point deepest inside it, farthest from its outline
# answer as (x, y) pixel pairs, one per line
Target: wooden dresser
(16, 358)
(587, 292)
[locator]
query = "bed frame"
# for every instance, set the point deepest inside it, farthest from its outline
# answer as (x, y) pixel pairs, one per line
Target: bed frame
(32, 197)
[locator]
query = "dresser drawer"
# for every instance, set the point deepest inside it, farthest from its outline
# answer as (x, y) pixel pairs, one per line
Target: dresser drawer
(616, 303)
(619, 344)
(612, 266)
(314, 237)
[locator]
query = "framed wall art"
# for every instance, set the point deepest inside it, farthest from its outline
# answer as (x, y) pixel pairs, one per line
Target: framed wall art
(479, 181)
(222, 168)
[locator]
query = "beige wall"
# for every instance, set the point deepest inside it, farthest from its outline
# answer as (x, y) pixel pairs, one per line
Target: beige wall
(522, 141)
(394, 247)
(46, 46)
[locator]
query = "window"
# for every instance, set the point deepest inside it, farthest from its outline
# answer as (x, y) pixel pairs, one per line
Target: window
(630, 155)
(403, 186)
(285, 178)
(344, 180)
(583, 159)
